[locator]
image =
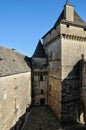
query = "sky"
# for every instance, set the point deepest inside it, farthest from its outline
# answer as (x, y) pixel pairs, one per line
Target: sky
(24, 22)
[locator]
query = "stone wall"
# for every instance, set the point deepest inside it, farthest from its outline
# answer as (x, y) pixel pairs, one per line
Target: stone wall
(39, 81)
(64, 46)
(53, 50)
(51, 35)
(39, 63)
(73, 46)
(15, 97)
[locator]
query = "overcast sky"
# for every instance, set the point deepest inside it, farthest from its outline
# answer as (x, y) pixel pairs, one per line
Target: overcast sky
(24, 22)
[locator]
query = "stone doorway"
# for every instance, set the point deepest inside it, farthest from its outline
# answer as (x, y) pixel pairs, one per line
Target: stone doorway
(42, 101)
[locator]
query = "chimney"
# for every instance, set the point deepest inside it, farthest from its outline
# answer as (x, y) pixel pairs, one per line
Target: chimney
(69, 12)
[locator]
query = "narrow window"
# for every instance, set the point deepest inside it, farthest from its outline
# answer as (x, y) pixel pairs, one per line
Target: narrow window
(1, 59)
(41, 91)
(82, 56)
(84, 29)
(49, 87)
(41, 77)
(51, 55)
(67, 25)
(42, 101)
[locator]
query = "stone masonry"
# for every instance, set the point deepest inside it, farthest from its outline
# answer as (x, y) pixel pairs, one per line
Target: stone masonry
(64, 45)
(15, 87)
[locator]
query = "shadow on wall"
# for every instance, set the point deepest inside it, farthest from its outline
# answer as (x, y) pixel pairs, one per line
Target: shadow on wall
(22, 120)
(72, 103)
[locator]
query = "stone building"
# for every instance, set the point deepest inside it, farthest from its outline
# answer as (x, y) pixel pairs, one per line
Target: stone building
(15, 87)
(64, 45)
(55, 75)
(39, 76)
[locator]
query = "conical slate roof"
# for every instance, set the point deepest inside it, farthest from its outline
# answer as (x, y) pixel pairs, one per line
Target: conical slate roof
(39, 52)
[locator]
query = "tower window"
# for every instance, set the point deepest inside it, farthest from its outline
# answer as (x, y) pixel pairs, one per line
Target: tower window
(50, 57)
(42, 101)
(41, 77)
(49, 87)
(82, 56)
(41, 91)
(13, 60)
(67, 25)
(1, 59)
(84, 29)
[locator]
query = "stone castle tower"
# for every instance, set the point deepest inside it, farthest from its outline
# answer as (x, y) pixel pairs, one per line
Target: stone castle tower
(64, 45)
(39, 76)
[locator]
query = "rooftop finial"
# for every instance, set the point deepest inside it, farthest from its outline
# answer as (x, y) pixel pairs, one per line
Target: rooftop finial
(66, 1)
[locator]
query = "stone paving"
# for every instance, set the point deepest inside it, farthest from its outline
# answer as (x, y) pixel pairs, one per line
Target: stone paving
(42, 118)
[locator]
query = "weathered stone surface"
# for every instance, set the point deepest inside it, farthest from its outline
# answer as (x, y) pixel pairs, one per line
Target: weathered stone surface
(39, 89)
(69, 111)
(58, 77)
(71, 90)
(39, 76)
(72, 51)
(15, 97)
(65, 44)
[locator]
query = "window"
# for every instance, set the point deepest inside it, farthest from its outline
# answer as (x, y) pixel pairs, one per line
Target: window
(82, 56)
(1, 59)
(50, 57)
(67, 25)
(84, 29)
(42, 101)
(49, 87)
(41, 91)
(41, 77)
(44, 65)
(13, 60)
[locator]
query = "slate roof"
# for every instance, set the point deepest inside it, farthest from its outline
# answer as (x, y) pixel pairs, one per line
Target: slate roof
(12, 62)
(77, 21)
(39, 52)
